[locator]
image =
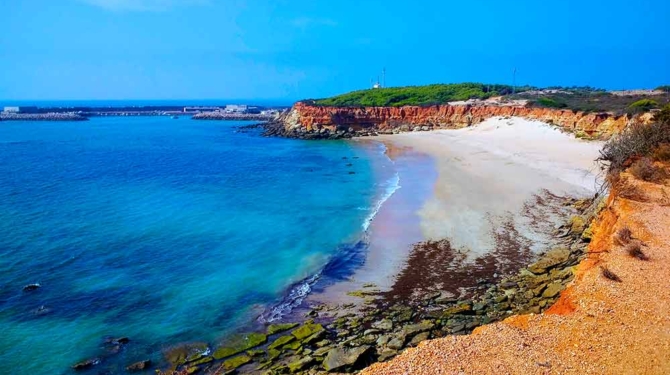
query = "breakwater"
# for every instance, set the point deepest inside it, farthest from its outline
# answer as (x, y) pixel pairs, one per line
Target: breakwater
(41, 117)
(233, 116)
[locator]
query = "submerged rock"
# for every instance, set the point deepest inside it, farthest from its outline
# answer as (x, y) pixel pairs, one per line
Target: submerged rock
(186, 353)
(139, 366)
(84, 365)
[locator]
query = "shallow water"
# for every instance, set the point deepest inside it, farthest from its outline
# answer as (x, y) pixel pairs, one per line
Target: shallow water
(164, 231)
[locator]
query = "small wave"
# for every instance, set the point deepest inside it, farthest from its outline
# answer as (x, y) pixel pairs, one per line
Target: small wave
(295, 297)
(393, 184)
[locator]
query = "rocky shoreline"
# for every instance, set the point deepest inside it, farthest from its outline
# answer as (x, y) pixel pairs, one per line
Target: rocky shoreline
(343, 339)
(41, 117)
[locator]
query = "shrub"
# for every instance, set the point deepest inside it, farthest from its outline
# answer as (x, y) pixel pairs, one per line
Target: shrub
(550, 103)
(645, 170)
(609, 274)
(623, 236)
(665, 88)
(634, 249)
(643, 105)
(662, 152)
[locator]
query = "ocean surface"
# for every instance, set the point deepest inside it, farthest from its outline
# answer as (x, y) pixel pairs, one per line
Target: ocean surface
(167, 231)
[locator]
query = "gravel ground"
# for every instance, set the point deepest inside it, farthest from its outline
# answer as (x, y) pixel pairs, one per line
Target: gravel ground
(598, 326)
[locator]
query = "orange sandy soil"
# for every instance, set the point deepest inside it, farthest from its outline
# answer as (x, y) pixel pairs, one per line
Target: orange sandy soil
(598, 326)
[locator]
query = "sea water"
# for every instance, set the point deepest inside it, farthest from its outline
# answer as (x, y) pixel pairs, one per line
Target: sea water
(166, 231)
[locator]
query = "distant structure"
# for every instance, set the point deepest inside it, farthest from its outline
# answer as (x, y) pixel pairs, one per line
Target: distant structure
(236, 108)
(378, 85)
(15, 109)
(200, 109)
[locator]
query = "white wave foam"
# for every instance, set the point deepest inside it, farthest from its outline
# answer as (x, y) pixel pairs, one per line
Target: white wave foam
(392, 185)
(293, 299)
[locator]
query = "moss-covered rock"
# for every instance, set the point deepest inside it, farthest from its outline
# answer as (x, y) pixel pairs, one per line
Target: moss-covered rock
(307, 330)
(577, 224)
(278, 328)
(295, 345)
(281, 341)
(238, 344)
(236, 362)
(300, 364)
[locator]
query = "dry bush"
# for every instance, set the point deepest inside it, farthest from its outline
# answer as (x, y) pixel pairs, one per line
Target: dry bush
(628, 190)
(634, 249)
(623, 236)
(662, 152)
(637, 140)
(609, 274)
(645, 170)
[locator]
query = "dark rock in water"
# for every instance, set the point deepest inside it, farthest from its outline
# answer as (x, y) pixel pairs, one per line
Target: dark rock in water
(83, 365)
(139, 366)
(31, 287)
(122, 340)
(185, 353)
(42, 310)
(339, 359)
(352, 172)
(349, 164)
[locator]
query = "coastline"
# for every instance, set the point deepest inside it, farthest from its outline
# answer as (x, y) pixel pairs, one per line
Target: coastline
(436, 283)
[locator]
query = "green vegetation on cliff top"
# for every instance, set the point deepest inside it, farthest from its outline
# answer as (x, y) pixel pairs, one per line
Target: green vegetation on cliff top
(587, 99)
(417, 95)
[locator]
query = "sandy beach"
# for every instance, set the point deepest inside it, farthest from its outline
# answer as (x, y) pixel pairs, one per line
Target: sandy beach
(486, 189)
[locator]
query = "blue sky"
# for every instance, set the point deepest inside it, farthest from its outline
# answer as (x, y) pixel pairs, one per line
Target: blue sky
(293, 49)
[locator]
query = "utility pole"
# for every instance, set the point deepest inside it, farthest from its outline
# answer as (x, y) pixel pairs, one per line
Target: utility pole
(514, 81)
(384, 78)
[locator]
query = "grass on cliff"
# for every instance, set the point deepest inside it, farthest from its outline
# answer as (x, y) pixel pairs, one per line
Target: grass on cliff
(416, 95)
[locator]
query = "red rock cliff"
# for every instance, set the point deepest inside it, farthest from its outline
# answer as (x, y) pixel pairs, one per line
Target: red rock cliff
(304, 119)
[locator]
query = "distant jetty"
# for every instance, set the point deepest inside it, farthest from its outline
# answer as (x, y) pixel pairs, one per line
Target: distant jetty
(219, 115)
(5, 116)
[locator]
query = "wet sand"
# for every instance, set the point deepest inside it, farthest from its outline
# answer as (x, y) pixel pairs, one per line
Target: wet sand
(489, 194)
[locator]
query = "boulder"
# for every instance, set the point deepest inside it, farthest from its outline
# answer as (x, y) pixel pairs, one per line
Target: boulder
(340, 359)
(552, 290)
(384, 325)
(551, 259)
(413, 329)
(418, 338)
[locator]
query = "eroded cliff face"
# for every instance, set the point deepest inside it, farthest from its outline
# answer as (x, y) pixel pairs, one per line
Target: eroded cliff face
(308, 121)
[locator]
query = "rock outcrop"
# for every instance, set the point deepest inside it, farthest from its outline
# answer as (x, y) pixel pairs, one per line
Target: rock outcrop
(318, 122)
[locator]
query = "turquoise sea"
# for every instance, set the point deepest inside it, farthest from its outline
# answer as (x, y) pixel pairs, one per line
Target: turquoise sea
(167, 231)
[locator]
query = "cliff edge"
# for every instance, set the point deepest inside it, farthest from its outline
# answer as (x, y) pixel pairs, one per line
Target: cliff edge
(309, 121)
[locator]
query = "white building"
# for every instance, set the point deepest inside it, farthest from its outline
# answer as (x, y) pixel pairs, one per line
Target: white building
(12, 109)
